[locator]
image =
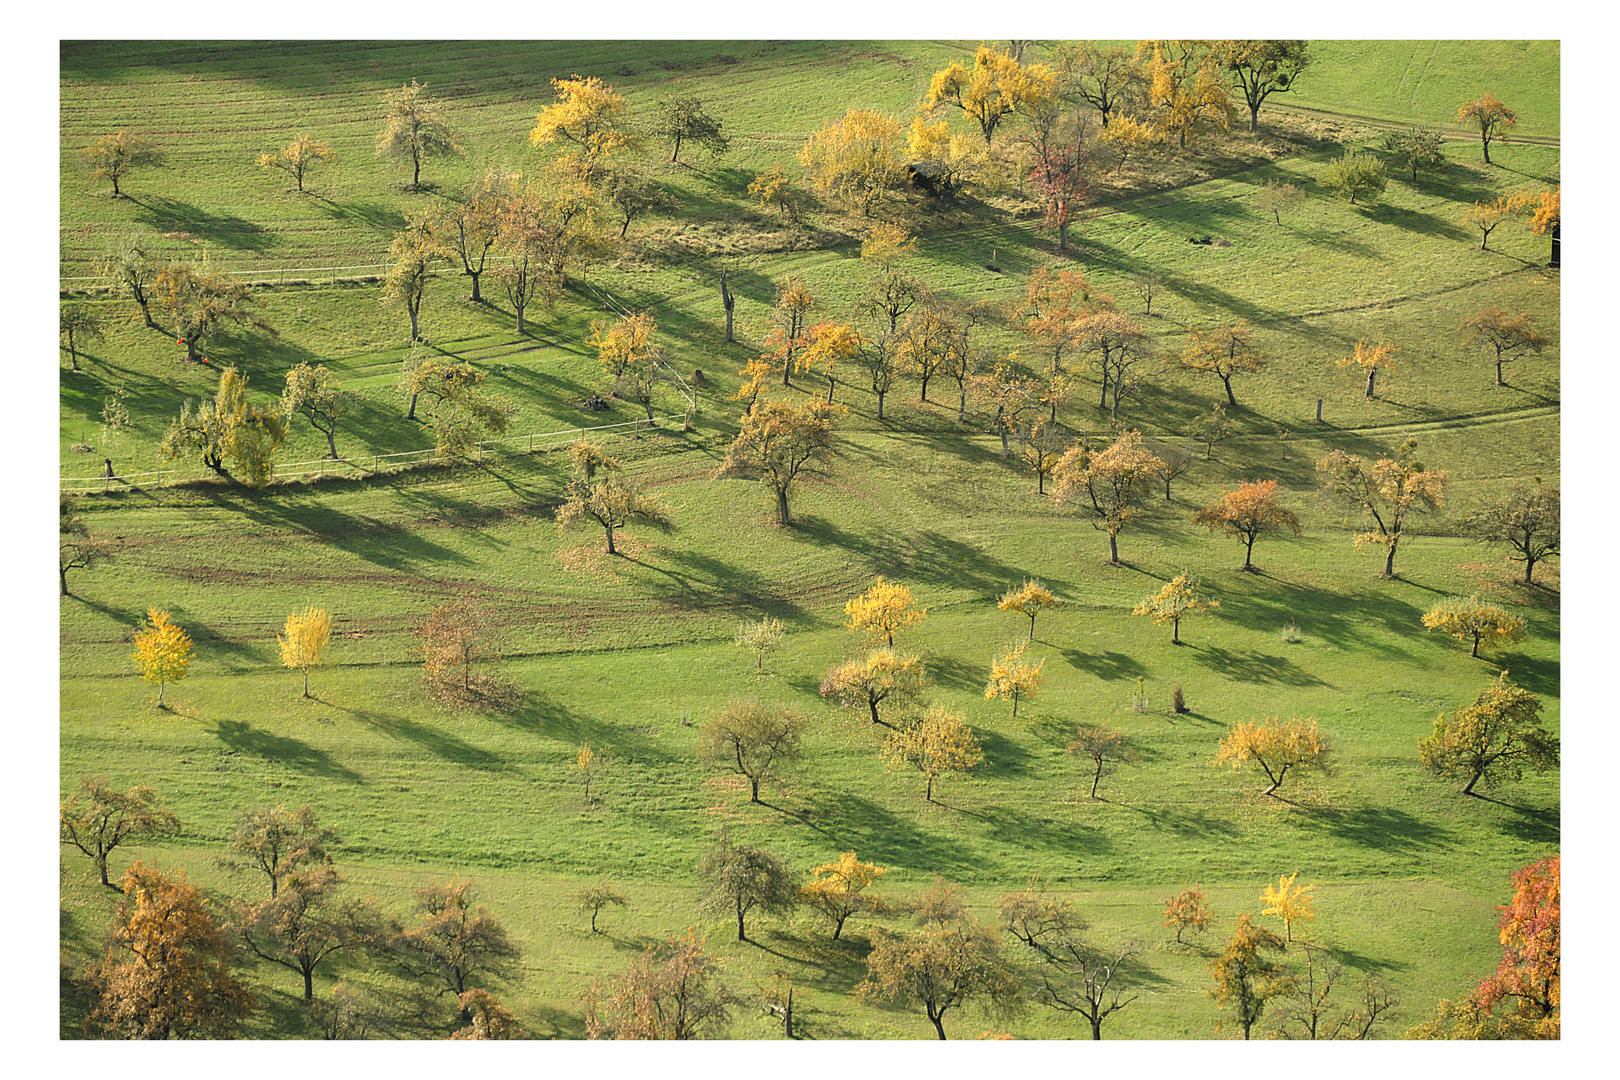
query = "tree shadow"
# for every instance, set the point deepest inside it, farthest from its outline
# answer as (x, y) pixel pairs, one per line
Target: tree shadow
(300, 756)
(172, 215)
(1378, 827)
(1249, 665)
(1536, 675)
(1109, 666)
(1185, 823)
(431, 739)
(1006, 825)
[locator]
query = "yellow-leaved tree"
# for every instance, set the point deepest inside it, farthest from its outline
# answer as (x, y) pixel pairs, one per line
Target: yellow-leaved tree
(1031, 598)
(763, 637)
(1471, 617)
(1492, 739)
(1277, 746)
(1371, 359)
(837, 890)
(587, 114)
(776, 442)
(1110, 484)
(940, 744)
(304, 639)
(1387, 491)
(298, 157)
(856, 160)
(1012, 677)
(162, 651)
(883, 675)
(589, 765)
(1223, 352)
(883, 610)
(1289, 902)
(997, 87)
(416, 128)
(1178, 599)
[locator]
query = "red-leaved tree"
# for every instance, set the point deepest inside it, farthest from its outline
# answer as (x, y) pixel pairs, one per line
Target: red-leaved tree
(1060, 177)
(1529, 973)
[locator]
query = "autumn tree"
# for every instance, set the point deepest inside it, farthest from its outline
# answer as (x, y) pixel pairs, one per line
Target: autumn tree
(307, 922)
(415, 127)
(762, 637)
(1061, 182)
(1109, 485)
(1471, 617)
(588, 766)
(298, 157)
(1289, 902)
(1012, 396)
(228, 429)
(1276, 197)
(452, 941)
(1050, 311)
(589, 117)
(1415, 148)
(166, 972)
(1277, 746)
(113, 157)
(772, 188)
(77, 547)
(200, 302)
(839, 890)
(997, 87)
(1178, 598)
(670, 991)
(1188, 910)
(830, 346)
(794, 302)
(1178, 458)
(130, 271)
(1490, 117)
(941, 967)
(1261, 68)
(1491, 740)
(739, 879)
(948, 159)
(1116, 344)
(880, 356)
(776, 442)
(753, 740)
(1526, 520)
(1546, 215)
(1223, 352)
(1104, 747)
(1507, 336)
(1211, 427)
(1246, 978)
(856, 160)
(1012, 677)
(891, 291)
(312, 393)
(633, 194)
(882, 611)
(939, 744)
(548, 229)
(613, 501)
(1308, 1010)
(1370, 360)
(1077, 976)
(96, 819)
(1041, 442)
(490, 1019)
(468, 228)
(1354, 175)
(412, 255)
(593, 899)
(686, 119)
(1486, 216)
(1530, 976)
(78, 324)
(461, 633)
(1250, 512)
(1186, 95)
(162, 651)
(276, 841)
(349, 1014)
(1030, 598)
(1387, 492)
(883, 675)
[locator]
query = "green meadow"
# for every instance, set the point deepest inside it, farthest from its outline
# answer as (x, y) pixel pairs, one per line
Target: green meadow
(631, 654)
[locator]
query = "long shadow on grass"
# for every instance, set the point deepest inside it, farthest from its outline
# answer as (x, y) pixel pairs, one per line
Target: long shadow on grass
(437, 742)
(172, 215)
(1006, 825)
(1252, 666)
(1186, 823)
(929, 556)
(715, 583)
(1377, 827)
(300, 756)
(955, 673)
(1534, 674)
(1110, 666)
(850, 821)
(540, 715)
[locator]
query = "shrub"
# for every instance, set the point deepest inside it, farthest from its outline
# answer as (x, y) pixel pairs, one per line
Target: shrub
(1178, 704)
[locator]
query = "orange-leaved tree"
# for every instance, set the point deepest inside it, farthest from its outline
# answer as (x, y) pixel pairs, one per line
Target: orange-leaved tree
(1493, 120)
(1246, 978)
(1507, 336)
(1530, 973)
(1371, 359)
(1111, 484)
(1250, 512)
(776, 442)
(1188, 910)
(162, 651)
(1223, 352)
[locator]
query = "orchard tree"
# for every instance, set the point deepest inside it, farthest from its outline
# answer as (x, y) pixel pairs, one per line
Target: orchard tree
(1355, 175)
(162, 651)
(588, 116)
(1223, 352)
(997, 87)
(1246, 978)
(411, 258)
(1289, 902)
(77, 325)
(634, 194)
(939, 744)
(1013, 395)
(1486, 216)
(303, 641)
(1178, 599)
(1116, 343)
(548, 228)
(1030, 598)
(96, 819)
(883, 675)
(1530, 975)
(77, 549)
(685, 119)
(1076, 976)
(941, 967)
(166, 972)
(1386, 492)
(312, 393)
(588, 766)
(839, 890)
(1276, 197)
(452, 941)
(739, 879)
(1492, 740)
(592, 900)
(1490, 117)
(298, 157)
(1471, 617)
(113, 157)
(753, 740)
(828, 347)
(1186, 95)
(856, 160)
(794, 302)
(1188, 910)
(1277, 746)
(1307, 1010)
(882, 611)
(1262, 68)
(1053, 306)
(200, 302)
(1415, 148)
(762, 637)
(307, 923)
(130, 271)
(1012, 677)
(1110, 484)
(1211, 427)
(461, 633)
(1371, 359)
(1109, 78)
(1526, 520)
(772, 189)
(1103, 747)
(880, 356)
(415, 128)
(1546, 215)
(776, 442)
(490, 1019)
(469, 228)
(227, 428)
(1060, 179)
(277, 841)
(1507, 336)
(891, 292)
(613, 502)
(1250, 512)
(670, 991)
(1178, 461)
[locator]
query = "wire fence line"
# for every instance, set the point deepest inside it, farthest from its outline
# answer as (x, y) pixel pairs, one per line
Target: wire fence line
(287, 275)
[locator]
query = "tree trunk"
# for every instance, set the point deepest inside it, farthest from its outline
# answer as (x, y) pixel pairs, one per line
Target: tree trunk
(741, 936)
(1230, 400)
(753, 789)
(1113, 548)
(416, 181)
(782, 506)
(1371, 375)
(1096, 779)
(677, 152)
(1102, 403)
(1389, 561)
(1254, 125)
(1475, 652)
(519, 308)
(939, 1022)
(594, 912)
(838, 927)
(1096, 1028)
(925, 386)
(1553, 260)
(411, 413)
(611, 549)
(414, 309)
(1499, 381)
(63, 571)
(309, 984)
(730, 303)
(1015, 703)
(101, 864)
(830, 386)
(331, 440)
(961, 406)
(1032, 628)
(1063, 236)
(1469, 790)
(1529, 567)
(1485, 141)
(477, 297)
(306, 682)
(928, 793)
(872, 705)
(1175, 631)
(880, 395)
(1248, 555)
